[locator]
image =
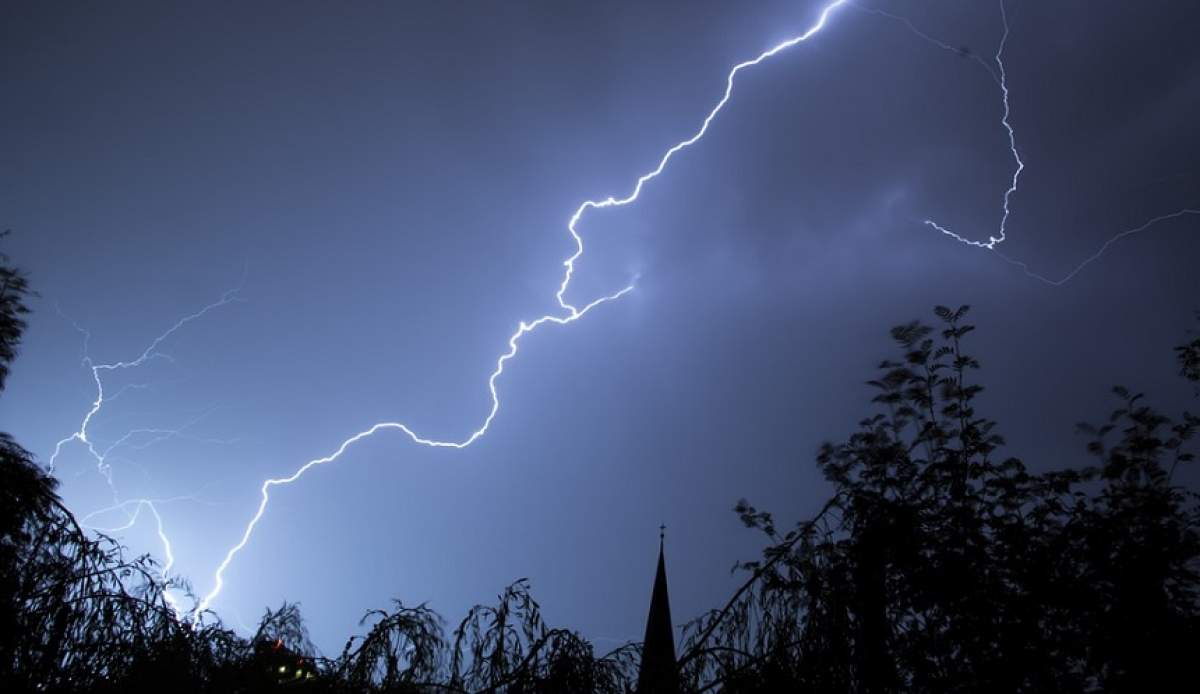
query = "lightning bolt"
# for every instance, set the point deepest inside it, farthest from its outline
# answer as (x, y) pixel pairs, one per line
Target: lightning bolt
(1185, 212)
(101, 454)
(131, 520)
(571, 312)
(1000, 77)
(149, 353)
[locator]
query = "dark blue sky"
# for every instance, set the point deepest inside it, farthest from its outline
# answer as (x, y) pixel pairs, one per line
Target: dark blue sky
(394, 182)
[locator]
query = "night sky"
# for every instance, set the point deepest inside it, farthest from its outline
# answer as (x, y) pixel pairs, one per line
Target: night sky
(388, 185)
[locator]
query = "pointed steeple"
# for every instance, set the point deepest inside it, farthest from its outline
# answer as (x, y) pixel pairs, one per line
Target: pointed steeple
(659, 672)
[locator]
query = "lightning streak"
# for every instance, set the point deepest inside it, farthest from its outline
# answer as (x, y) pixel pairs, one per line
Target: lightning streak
(1096, 256)
(151, 352)
(926, 37)
(168, 553)
(101, 454)
(1000, 77)
(572, 312)
(265, 497)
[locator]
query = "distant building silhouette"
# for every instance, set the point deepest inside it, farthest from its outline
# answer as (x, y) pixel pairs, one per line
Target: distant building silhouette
(659, 671)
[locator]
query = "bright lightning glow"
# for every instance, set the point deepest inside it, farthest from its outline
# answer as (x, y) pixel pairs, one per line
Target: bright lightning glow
(573, 313)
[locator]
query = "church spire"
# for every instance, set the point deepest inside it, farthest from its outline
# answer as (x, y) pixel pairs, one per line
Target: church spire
(659, 672)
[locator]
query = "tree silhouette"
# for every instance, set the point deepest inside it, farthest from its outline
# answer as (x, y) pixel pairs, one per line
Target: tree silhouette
(937, 566)
(1189, 358)
(14, 292)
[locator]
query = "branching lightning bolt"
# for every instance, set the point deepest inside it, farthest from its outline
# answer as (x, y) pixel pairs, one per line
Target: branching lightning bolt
(151, 352)
(1000, 76)
(101, 454)
(571, 311)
